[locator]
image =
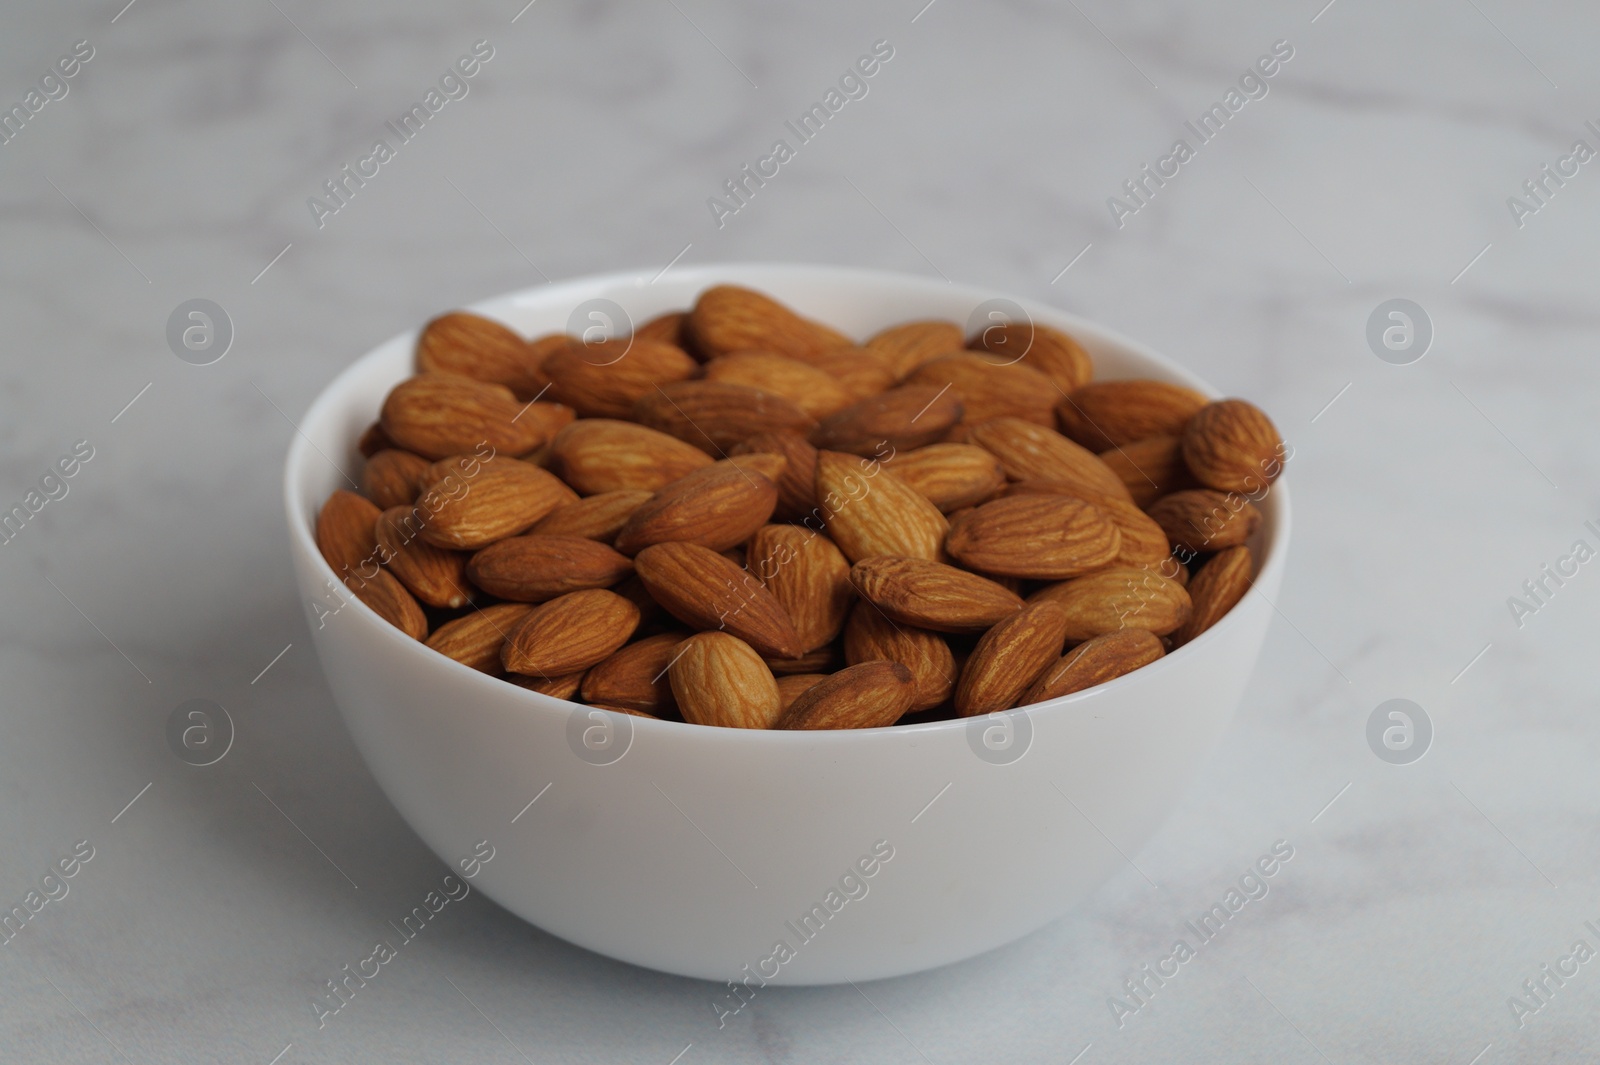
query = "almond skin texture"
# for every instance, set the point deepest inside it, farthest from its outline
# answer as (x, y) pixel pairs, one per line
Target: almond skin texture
(569, 634)
(719, 680)
(910, 344)
(1150, 468)
(950, 476)
(797, 484)
(1199, 519)
(598, 517)
(1142, 540)
(1095, 662)
(346, 533)
(903, 418)
(717, 507)
(931, 595)
(1115, 413)
(793, 685)
(1029, 452)
(603, 455)
(727, 318)
(812, 390)
(532, 569)
(871, 695)
(505, 498)
(875, 515)
(1121, 598)
(716, 415)
(434, 575)
(1039, 347)
(393, 477)
(635, 678)
(1009, 658)
(439, 414)
(808, 575)
(861, 372)
(871, 637)
(1232, 446)
(480, 348)
(604, 380)
(1042, 536)
(989, 388)
(706, 591)
(475, 639)
(1215, 590)
(390, 600)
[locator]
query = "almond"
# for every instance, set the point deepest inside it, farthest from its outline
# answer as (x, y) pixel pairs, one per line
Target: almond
(1042, 536)
(910, 416)
(390, 601)
(812, 390)
(716, 415)
(871, 637)
(547, 419)
(531, 569)
(1119, 598)
(717, 507)
(871, 512)
(1142, 540)
(793, 685)
(1232, 446)
(347, 533)
(931, 595)
(1116, 413)
(808, 575)
(1199, 519)
(569, 633)
(1150, 468)
(871, 695)
(439, 414)
(434, 575)
(861, 372)
(910, 344)
(1010, 657)
(373, 440)
(604, 380)
(797, 484)
(475, 639)
(1040, 347)
(635, 677)
(670, 328)
(767, 465)
(719, 680)
(480, 348)
(991, 389)
(392, 477)
(505, 498)
(1094, 662)
(824, 660)
(562, 687)
(727, 318)
(597, 517)
(1215, 590)
(602, 455)
(1029, 452)
(950, 476)
(706, 591)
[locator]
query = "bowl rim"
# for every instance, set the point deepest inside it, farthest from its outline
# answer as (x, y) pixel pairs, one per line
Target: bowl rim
(329, 399)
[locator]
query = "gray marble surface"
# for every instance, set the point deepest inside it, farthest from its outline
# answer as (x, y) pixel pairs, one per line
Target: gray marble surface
(1378, 165)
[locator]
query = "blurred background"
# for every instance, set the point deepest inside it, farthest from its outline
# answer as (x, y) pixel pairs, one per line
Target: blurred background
(171, 151)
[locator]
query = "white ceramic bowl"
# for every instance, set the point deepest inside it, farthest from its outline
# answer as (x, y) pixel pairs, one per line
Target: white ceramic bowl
(698, 850)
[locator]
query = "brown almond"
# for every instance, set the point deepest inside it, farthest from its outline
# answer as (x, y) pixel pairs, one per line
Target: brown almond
(861, 372)
(728, 318)
(1029, 452)
(870, 695)
(716, 415)
(1096, 661)
(604, 380)
(797, 484)
(910, 416)
(871, 637)
(910, 344)
(474, 346)
(1150, 468)
(434, 575)
(951, 476)
(1119, 598)
(390, 600)
(871, 512)
(706, 591)
(1041, 536)
(475, 639)
(569, 633)
(347, 533)
(596, 455)
(825, 659)
(635, 677)
(1231, 445)
(1039, 347)
(505, 498)
(1142, 540)
(373, 440)
(767, 464)
(547, 419)
(1009, 658)
(531, 569)
(808, 575)
(439, 414)
(812, 390)
(562, 687)
(1116, 413)
(1215, 590)
(791, 686)
(597, 517)
(991, 389)
(931, 595)
(717, 507)
(670, 328)
(392, 477)
(718, 679)
(1200, 519)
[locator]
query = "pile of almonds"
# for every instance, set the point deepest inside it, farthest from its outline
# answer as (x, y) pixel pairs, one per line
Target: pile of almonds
(738, 516)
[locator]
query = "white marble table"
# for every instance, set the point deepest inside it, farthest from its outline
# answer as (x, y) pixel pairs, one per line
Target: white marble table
(1377, 165)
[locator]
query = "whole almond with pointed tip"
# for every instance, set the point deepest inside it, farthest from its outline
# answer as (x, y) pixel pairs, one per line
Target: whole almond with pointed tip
(670, 328)
(505, 498)
(1010, 657)
(1040, 536)
(874, 513)
(597, 517)
(706, 591)
(861, 372)
(1095, 661)
(569, 633)
(808, 575)
(717, 507)
(390, 601)
(991, 389)
(1231, 445)
(910, 344)
(1030, 452)
(1039, 347)
(597, 455)
(812, 390)
(951, 476)
(373, 440)
(1110, 600)
(346, 533)
(1150, 468)
(635, 677)
(870, 695)
(931, 595)
(1111, 414)
(1142, 540)
(718, 679)
(1199, 519)
(439, 414)
(791, 686)
(434, 575)
(562, 687)
(910, 416)
(392, 477)
(716, 415)
(728, 318)
(604, 380)
(871, 637)
(475, 639)
(797, 491)
(474, 346)
(1215, 590)
(532, 569)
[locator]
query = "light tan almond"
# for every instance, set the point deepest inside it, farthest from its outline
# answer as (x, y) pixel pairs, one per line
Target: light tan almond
(504, 499)
(531, 569)
(791, 686)
(1095, 661)
(390, 600)
(1111, 414)
(910, 344)
(706, 591)
(871, 637)
(596, 517)
(434, 575)
(392, 477)
(635, 677)
(718, 679)
(347, 534)
(716, 415)
(812, 390)
(717, 507)
(727, 318)
(1009, 658)
(373, 440)
(473, 346)
(991, 389)
(475, 639)
(1200, 519)
(1038, 347)
(1110, 600)
(1029, 452)
(931, 595)
(808, 575)
(903, 418)
(1215, 590)
(569, 633)
(439, 414)
(1150, 468)
(861, 372)
(604, 380)
(1142, 541)
(951, 476)
(871, 695)
(596, 455)
(797, 484)
(1231, 445)
(1041, 536)
(563, 687)
(871, 512)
